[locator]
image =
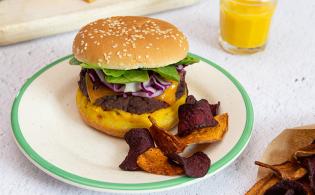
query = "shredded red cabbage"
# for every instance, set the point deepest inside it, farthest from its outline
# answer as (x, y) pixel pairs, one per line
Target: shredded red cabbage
(113, 86)
(155, 86)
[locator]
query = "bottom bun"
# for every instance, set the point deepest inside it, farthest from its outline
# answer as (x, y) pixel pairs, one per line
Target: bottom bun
(118, 122)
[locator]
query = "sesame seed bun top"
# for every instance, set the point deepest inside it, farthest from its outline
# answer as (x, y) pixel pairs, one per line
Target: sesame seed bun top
(130, 42)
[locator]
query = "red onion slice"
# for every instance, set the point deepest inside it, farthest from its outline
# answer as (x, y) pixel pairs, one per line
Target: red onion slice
(92, 77)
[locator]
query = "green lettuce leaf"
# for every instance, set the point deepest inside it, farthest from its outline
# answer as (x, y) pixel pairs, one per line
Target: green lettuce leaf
(189, 59)
(89, 66)
(74, 61)
(168, 72)
(129, 77)
(114, 73)
(140, 75)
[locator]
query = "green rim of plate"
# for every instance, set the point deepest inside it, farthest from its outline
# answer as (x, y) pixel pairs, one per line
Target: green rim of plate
(78, 180)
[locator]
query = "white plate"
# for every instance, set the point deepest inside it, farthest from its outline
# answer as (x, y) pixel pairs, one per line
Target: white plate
(50, 132)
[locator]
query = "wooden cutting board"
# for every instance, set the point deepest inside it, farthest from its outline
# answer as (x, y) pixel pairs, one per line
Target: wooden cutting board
(22, 20)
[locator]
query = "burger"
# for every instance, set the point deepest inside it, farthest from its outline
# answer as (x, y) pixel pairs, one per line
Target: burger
(132, 67)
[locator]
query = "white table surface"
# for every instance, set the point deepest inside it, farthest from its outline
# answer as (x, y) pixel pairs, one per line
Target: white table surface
(280, 82)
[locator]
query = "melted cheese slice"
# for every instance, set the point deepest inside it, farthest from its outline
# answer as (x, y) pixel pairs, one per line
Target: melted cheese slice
(95, 94)
(169, 94)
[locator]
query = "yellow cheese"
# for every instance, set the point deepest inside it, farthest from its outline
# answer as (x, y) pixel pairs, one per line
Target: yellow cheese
(169, 94)
(94, 94)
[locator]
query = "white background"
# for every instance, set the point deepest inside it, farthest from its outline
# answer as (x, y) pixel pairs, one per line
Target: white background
(280, 82)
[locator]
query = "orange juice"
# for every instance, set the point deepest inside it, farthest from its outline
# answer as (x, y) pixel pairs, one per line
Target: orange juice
(244, 24)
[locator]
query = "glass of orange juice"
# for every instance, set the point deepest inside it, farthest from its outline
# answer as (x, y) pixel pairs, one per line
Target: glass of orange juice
(244, 24)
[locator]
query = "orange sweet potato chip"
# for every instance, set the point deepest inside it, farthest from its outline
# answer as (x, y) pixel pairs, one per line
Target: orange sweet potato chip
(287, 170)
(209, 134)
(154, 161)
(167, 142)
(263, 185)
(305, 151)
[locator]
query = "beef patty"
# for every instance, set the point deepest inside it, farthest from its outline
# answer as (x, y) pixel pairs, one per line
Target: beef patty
(129, 103)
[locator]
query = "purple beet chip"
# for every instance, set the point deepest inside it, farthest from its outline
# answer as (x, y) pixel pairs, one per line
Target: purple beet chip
(191, 99)
(214, 108)
(195, 115)
(286, 187)
(130, 162)
(139, 140)
(311, 170)
(196, 165)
